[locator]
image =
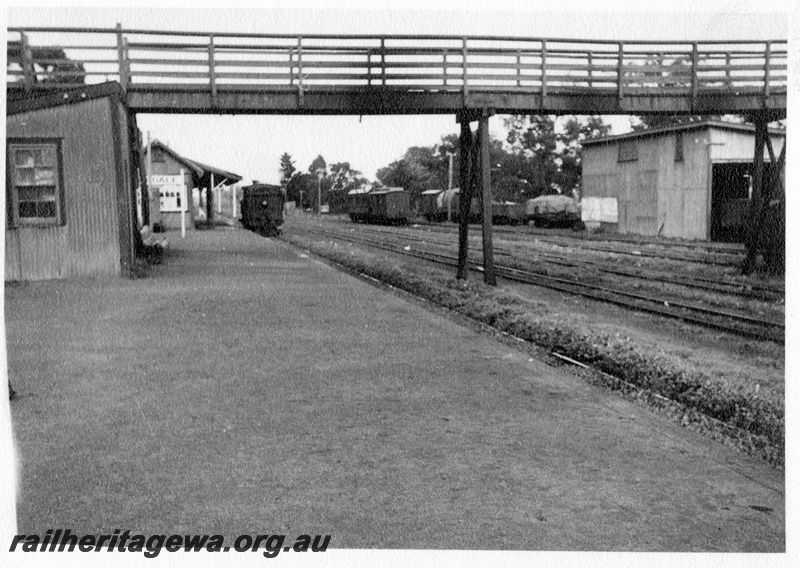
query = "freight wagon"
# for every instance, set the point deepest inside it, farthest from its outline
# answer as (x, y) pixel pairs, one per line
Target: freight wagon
(430, 205)
(450, 198)
(508, 213)
(553, 210)
(262, 208)
(390, 205)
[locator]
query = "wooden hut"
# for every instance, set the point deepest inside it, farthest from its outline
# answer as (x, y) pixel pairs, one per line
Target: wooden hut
(71, 185)
(690, 181)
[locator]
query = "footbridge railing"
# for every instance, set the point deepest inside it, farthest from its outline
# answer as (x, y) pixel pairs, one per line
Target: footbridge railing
(154, 61)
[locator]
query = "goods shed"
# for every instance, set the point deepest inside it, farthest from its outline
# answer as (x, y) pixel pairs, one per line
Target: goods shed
(71, 185)
(691, 181)
(202, 182)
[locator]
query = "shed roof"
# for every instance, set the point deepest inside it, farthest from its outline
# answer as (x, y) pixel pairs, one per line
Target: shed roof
(61, 98)
(197, 167)
(699, 125)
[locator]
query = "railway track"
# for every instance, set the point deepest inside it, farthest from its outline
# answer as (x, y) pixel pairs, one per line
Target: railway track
(722, 320)
(750, 291)
(715, 257)
(716, 248)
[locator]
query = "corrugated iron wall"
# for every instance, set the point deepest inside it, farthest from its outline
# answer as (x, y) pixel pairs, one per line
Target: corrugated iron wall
(88, 243)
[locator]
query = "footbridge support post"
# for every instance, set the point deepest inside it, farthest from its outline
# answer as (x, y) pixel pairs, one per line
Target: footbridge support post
(765, 185)
(486, 191)
(475, 171)
(757, 199)
(465, 183)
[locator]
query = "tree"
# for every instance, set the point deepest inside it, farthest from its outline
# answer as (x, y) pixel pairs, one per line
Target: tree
(575, 131)
(287, 168)
(318, 165)
(415, 171)
(301, 188)
(342, 180)
(548, 154)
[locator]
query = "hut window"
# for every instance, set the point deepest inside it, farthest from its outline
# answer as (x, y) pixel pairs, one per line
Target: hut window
(628, 151)
(679, 146)
(158, 156)
(36, 188)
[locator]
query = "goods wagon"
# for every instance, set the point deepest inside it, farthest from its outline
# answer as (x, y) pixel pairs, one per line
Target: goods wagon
(508, 213)
(358, 205)
(390, 205)
(262, 208)
(553, 210)
(429, 205)
(451, 197)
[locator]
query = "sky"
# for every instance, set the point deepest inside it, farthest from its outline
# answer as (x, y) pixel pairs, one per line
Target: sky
(251, 146)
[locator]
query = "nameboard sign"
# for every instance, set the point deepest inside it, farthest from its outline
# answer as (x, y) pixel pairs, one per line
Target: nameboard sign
(171, 192)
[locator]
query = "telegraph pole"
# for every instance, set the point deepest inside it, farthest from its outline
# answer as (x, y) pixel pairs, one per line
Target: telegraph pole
(319, 191)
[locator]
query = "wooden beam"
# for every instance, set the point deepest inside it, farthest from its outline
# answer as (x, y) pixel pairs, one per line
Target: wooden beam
(754, 216)
(123, 72)
(26, 62)
(464, 88)
(300, 86)
(464, 178)
(212, 76)
(544, 73)
(279, 99)
(695, 69)
(620, 71)
(486, 187)
(767, 57)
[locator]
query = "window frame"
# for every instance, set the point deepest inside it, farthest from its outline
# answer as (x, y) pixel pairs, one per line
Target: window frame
(631, 156)
(13, 218)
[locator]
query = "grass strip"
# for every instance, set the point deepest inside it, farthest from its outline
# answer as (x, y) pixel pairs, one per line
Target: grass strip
(760, 420)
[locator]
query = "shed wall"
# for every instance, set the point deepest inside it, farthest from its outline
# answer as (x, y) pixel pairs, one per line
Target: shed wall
(88, 242)
(683, 187)
(729, 146)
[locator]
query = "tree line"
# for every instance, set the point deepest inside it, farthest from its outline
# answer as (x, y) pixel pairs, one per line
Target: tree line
(540, 155)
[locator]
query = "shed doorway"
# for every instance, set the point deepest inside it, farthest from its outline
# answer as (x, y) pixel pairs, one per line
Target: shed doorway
(731, 184)
(730, 200)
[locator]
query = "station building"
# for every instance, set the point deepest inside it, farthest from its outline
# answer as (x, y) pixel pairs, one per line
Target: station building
(73, 205)
(691, 181)
(204, 184)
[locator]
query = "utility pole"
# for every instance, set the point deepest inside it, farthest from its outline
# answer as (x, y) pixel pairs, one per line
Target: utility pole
(319, 191)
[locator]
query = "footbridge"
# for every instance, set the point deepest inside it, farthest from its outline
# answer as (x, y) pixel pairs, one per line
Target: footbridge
(197, 72)
(472, 77)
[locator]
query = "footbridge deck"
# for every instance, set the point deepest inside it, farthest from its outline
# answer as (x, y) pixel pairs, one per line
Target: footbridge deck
(197, 72)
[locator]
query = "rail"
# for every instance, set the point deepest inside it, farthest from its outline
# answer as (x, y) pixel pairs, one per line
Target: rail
(148, 60)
